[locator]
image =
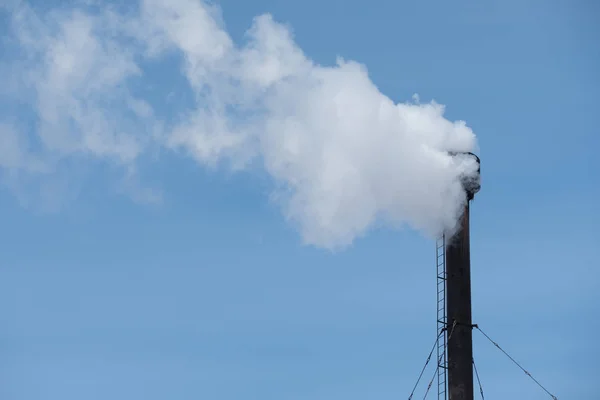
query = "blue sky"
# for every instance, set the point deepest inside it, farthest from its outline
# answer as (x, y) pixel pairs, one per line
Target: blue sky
(211, 293)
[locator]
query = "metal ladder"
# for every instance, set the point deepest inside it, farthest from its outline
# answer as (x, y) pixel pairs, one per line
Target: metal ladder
(442, 366)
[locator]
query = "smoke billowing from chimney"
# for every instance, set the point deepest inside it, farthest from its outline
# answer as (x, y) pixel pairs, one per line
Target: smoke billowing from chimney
(342, 155)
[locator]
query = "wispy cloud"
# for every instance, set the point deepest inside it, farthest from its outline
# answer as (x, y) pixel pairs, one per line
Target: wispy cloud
(342, 155)
(77, 70)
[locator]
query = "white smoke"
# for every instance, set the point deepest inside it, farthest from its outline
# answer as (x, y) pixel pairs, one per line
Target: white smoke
(343, 156)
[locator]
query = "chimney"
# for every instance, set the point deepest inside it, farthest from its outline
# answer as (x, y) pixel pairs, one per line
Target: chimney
(458, 299)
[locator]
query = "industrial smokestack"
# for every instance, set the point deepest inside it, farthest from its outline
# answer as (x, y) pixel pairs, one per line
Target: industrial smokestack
(458, 297)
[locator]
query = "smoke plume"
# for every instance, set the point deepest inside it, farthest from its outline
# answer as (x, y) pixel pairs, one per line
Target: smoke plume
(113, 85)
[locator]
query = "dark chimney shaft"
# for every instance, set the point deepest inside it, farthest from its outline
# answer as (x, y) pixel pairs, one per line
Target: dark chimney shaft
(458, 298)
